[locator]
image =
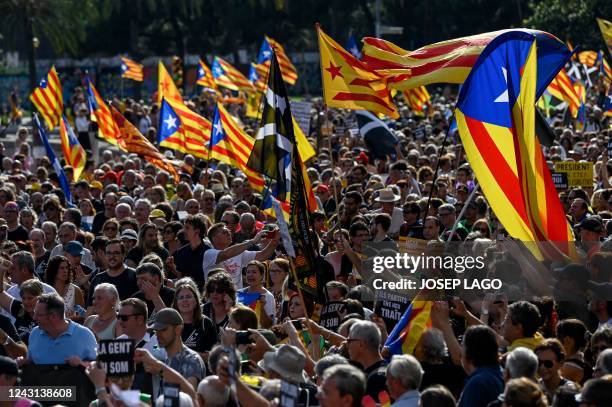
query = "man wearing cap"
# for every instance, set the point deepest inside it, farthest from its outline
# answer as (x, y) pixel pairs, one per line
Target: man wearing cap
(110, 202)
(67, 233)
(96, 188)
(287, 362)
(168, 325)
(327, 200)
(16, 232)
(74, 253)
(158, 218)
(387, 199)
(591, 230)
(129, 238)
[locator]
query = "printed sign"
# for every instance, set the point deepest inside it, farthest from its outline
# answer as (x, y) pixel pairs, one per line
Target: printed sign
(390, 307)
(559, 179)
(116, 356)
(329, 317)
(578, 174)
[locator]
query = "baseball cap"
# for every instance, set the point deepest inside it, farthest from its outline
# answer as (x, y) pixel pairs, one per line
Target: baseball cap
(157, 213)
(74, 248)
(165, 318)
(129, 234)
(591, 224)
(96, 185)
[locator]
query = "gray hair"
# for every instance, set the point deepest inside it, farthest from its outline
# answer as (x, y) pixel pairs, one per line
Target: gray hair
(348, 380)
(212, 390)
(434, 346)
(247, 217)
(50, 224)
(522, 362)
(68, 225)
(604, 362)
(143, 201)
(123, 205)
(367, 332)
(110, 290)
(328, 361)
(37, 230)
(406, 369)
(23, 259)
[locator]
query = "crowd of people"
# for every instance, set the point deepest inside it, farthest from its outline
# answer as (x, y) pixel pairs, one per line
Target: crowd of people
(136, 255)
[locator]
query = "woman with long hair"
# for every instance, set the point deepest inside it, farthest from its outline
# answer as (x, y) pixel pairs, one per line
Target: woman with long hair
(110, 228)
(220, 294)
(23, 310)
(278, 271)
(59, 275)
(148, 242)
(105, 303)
(255, 273)
(199, 333)
(52, 210)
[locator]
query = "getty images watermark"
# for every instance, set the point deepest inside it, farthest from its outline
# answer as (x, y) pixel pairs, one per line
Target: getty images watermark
(471, 270)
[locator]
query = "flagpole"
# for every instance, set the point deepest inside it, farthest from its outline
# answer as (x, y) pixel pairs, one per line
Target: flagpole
(121, 97)
(465, 206)
(437, 168)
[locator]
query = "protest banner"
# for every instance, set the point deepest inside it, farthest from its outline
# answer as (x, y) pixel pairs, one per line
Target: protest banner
(578, 174)
(116, 356)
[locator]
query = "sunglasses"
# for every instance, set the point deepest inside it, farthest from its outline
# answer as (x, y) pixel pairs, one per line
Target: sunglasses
(125, 317)
(546, 363)
(217, 290)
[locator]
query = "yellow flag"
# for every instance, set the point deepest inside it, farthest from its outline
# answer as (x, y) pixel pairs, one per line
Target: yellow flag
(606, 31)
(304, 148)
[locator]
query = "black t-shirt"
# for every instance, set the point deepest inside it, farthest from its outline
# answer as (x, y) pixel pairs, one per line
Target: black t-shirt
(7, 326)
(446, 373)
(136, 254)
(41, 264)
(166, 294)
(189, 262)
(20, 234)
(24, 323)
(124, 282)
(207, 310)
(98, 222)
(200, 337)
(376, 379)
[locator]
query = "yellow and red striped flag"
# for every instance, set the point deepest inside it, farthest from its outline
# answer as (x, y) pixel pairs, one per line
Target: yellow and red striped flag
(417, 99)
(230, 144)
(101, 114)
(287, 68)
(561, 87)
(48, 99)
(136, 143)
(588, 58)
(131, 70)
(205, 76)
(348, 83)
(229, 77)
(72, 149)
(180, 128)
(258, 73)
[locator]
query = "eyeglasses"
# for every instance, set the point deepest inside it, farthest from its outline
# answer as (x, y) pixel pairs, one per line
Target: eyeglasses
(209, 199)
(349, 340)
(112, 229)
(546, 363)
(168, 231)
(125, 317)
(185, 297)
(114, 253)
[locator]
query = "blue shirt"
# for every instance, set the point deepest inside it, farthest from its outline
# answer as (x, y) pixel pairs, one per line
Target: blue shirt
(408, 399)
(482, 387)
(75, 341)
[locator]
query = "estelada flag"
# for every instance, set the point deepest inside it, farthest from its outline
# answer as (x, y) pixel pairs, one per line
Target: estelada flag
(496, 119)
(205, 76)
(287, 68)
(101, 114)
(48, 99)
(136, 143)
(131, 70)
(73, 151)
(562, 88)
(606, 31)
(348, 83)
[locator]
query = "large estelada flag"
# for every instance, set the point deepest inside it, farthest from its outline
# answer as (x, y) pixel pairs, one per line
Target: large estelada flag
(288, 70)
(73, 151)
(48, 98)
(180, 128)
(101, 114)
(131, 70)
(349, 84)
(496, 119)
(448, 61)
(136, 143)
(231, 145)
(408, 330)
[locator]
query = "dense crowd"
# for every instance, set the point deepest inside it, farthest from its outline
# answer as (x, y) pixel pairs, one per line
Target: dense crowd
(139, 256)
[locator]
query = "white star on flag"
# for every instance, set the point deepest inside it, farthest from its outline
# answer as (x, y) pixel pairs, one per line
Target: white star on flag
(170, 122)
(218, 128)
(267, 53)
(503, 98)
